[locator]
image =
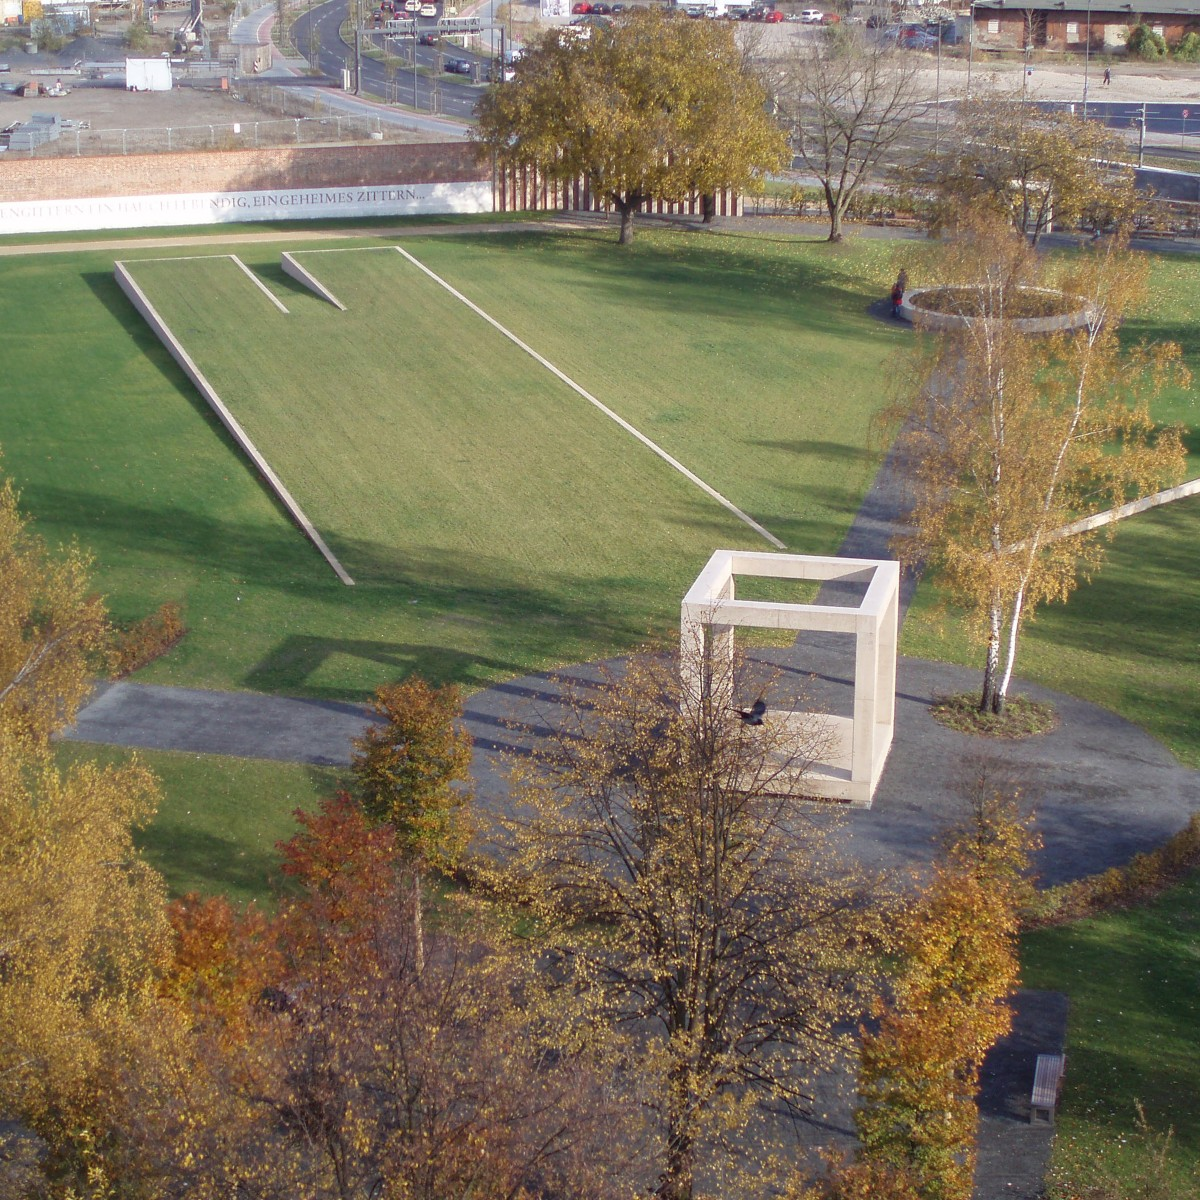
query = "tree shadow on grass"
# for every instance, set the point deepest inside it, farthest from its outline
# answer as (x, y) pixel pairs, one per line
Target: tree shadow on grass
(190, 857)
(725, 278)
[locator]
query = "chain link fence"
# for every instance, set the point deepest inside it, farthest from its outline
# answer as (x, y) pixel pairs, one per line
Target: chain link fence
(300, 120)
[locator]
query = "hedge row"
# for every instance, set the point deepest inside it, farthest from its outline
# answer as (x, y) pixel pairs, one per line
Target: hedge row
(1143, 877)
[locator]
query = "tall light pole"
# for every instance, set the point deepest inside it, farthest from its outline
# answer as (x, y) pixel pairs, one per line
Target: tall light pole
(937, 94)
(1087, 57)
(971, 48)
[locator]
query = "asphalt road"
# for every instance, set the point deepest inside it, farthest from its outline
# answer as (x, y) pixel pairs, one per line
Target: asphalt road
(426, 88)
(1180, 120)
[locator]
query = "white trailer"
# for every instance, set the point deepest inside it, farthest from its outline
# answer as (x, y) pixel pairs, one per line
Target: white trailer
(147, 75)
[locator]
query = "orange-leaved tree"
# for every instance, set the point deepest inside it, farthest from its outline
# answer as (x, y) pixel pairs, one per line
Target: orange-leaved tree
(920, 1065)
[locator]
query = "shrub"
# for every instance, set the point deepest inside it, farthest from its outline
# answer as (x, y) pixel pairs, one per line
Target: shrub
(1144, 43)
(146, 640)
(138, 37)
(1144, 876)
(410, 769)
(1188, 48)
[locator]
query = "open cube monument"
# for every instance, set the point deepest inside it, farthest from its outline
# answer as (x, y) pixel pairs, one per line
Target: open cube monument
(858, 745)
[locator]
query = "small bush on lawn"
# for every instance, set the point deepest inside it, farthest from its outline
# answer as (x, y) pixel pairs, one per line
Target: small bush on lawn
(146, 640)
(1145, 43)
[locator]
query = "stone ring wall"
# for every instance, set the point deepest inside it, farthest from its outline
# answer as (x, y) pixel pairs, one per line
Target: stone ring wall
(911, 310)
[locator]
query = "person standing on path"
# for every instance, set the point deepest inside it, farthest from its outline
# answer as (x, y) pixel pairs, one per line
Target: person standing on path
(1107, 76)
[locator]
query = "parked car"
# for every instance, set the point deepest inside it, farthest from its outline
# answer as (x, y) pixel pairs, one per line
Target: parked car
(601, 10)
(457, 66)
(772, 16)
(913, 37)
(618, 8)
(412, 6)
(812, 16)
(429, 10)
(831, 19)
(581, 7)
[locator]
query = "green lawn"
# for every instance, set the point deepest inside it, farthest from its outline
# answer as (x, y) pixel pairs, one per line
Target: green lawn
(220, 818)
(753, 359)
(1128, 640)
(1132, 1035)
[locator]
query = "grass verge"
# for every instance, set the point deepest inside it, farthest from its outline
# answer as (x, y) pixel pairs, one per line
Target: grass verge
(220, 818)
(1131, 1040)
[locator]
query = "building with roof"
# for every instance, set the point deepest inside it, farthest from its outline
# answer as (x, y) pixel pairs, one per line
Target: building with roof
(1102, 25)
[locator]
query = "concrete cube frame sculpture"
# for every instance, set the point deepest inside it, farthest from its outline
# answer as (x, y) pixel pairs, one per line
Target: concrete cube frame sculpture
(711, 612)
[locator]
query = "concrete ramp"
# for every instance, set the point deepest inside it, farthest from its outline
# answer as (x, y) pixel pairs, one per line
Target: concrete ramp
(305, 277)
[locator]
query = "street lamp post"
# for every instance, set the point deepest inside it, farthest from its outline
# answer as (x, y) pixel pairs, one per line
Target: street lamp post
(937, 95)
(970, 48)
(1087, 57)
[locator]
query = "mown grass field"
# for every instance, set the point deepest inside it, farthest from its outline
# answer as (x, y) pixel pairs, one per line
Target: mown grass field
(1133, 1028)
(761, 348)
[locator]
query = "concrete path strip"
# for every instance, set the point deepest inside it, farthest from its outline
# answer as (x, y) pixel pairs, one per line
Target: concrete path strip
(238, 724)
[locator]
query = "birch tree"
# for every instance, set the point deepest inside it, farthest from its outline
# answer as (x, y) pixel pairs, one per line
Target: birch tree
(1012, 436)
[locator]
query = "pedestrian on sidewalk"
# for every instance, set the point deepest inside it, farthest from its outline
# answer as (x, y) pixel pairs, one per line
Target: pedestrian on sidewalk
(1107, 76)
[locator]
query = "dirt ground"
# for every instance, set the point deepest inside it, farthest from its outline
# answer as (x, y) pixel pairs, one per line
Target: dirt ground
(115, 108)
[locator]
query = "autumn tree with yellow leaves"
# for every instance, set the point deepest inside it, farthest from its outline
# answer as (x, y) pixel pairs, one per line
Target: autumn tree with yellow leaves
(661, 845)
(648, 108)
(83, 931)
(53, 629)
(1011, 436)
(1035, 169)
(920, 1062)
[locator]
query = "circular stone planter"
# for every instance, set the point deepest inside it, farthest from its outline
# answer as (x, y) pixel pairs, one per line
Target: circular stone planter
(911, 309)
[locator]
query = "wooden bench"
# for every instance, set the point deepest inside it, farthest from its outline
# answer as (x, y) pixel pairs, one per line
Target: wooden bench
(1047, 1080)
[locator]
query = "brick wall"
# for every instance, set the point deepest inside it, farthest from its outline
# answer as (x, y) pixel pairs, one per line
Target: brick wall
(239, 170)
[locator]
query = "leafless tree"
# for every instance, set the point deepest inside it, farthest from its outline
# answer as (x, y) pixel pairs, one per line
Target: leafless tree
(848, 103)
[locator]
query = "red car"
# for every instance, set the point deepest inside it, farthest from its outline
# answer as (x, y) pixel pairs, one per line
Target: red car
(581, 8)
(772, 15)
